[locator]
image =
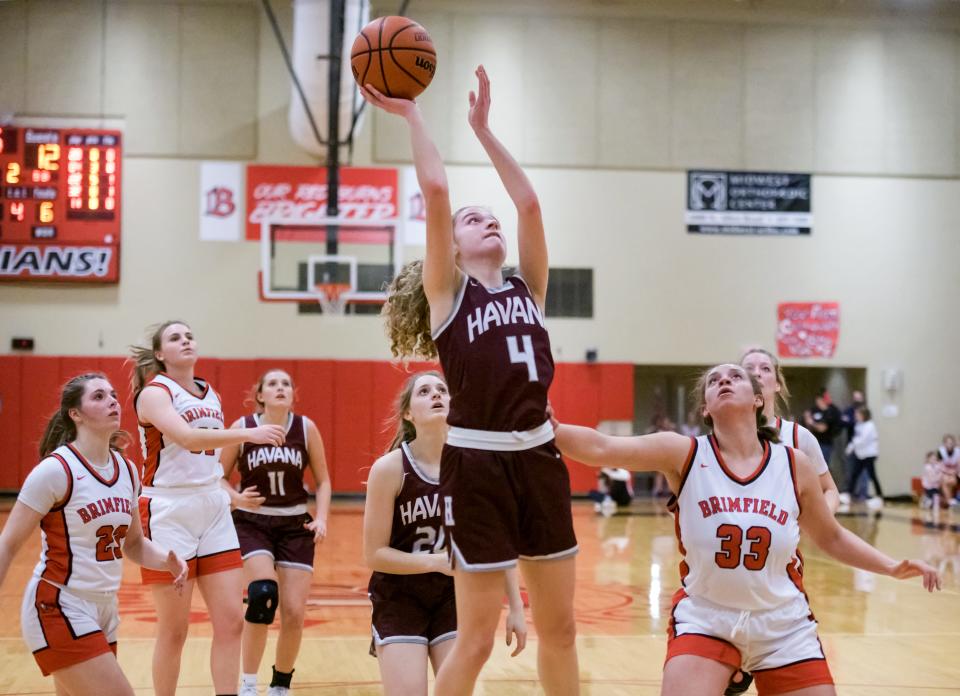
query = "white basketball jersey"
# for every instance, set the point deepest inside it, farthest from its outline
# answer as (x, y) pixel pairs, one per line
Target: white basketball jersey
(949, 461)
(167, 464)
(789, 432)
(739, 536)
(82, 536)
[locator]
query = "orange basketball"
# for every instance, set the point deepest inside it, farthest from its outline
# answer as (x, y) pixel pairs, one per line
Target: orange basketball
(395, 55)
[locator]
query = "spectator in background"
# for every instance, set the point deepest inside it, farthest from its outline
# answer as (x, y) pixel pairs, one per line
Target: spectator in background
(865, 448)
(692, 427)
(949, 468)
(614, 490)
(824, 421)
(930, 481)
(859, 487)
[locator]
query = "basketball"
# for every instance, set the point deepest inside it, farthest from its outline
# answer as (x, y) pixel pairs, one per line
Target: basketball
(395, 55)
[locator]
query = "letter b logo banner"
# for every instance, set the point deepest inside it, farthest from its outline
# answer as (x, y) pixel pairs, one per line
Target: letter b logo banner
(221, 212)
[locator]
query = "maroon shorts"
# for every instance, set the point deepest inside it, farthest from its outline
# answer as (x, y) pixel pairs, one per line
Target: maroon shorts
(412, 609)
(282, 537)
(501, 506)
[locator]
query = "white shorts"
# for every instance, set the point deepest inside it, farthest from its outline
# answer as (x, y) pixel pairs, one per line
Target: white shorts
(62, 629)
(194, 524)
(780, 646)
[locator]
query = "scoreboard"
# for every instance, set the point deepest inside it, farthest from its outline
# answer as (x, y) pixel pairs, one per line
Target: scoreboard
(60, 204)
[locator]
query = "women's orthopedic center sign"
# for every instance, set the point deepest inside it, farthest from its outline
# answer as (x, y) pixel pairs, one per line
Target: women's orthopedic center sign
(807, 329)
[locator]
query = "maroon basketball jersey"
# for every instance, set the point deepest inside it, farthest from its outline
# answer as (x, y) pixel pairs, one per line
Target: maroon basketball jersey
(277, 472)
(496, 358)
(417, 527)
(417, 513)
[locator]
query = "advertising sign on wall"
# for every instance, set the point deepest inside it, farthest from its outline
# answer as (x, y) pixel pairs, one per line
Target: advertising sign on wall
(807, 329)
(766, 203)
(300, 193)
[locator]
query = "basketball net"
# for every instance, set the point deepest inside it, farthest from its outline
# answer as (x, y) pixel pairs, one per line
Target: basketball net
(331, 297)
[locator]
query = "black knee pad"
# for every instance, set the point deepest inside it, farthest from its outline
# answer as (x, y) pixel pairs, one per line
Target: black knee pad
(262, 599)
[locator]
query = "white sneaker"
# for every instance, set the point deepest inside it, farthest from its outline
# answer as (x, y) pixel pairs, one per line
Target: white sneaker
(248, 690)
(608, 507)
(278, 691)
(844, 498)
(875, 503)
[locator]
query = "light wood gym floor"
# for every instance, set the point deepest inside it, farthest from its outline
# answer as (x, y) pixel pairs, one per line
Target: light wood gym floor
(881, 636)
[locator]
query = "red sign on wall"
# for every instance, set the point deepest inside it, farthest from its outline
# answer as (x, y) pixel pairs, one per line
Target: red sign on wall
(807, 329)
(300, 194)
(60, 204)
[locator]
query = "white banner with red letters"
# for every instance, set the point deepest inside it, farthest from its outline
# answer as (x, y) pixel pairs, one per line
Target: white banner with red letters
(221, 201)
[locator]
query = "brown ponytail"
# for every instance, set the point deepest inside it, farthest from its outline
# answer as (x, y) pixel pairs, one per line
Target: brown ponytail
(407, 315)
(404, 429)
(765, 431)
(145, 363)
(61, 429)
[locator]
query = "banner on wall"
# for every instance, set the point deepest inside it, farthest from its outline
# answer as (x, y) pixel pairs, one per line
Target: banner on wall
(414, 210)
(764, 203)
(300, 193)
(221, 201)
(807, 329)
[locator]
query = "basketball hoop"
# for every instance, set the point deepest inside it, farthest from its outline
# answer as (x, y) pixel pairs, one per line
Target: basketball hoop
(332, 297)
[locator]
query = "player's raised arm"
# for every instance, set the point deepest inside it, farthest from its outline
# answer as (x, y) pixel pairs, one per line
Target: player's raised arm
(664, 452)
(530, 234)
(440, 275)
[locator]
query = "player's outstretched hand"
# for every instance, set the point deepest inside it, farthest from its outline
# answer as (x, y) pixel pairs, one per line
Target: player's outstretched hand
(267, 435)
(912, 568)
(319, 529)
(177, 567)
(516, 625)
(248, 499)
(480, 101)
(392, 105)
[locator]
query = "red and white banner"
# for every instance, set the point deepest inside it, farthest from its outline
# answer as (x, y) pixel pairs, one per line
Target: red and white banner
(221, 201)
(300, 194)
(807, 329)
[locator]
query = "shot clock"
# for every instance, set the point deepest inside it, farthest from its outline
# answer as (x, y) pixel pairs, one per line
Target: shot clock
(59, 204)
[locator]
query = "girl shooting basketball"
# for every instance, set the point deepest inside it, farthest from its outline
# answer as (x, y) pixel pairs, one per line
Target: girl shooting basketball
(83, 495)
(506, 489)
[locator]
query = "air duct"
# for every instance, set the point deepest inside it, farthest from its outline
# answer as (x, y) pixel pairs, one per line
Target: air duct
(311, 43)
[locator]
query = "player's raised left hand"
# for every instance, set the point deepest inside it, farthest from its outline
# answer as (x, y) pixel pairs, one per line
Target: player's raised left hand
(480, 101)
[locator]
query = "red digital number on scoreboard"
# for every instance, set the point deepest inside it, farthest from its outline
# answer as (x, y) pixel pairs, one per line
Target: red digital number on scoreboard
(59, 204)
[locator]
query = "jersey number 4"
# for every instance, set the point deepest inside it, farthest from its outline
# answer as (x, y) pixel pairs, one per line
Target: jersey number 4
(524, 356)
(731, 541)
(110, 541)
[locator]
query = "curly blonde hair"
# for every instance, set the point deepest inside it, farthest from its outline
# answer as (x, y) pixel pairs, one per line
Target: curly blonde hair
(407, 315)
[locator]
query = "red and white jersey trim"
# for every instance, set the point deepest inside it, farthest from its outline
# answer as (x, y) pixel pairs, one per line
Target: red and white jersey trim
(167, 464)
(739, 535)
(82, 536)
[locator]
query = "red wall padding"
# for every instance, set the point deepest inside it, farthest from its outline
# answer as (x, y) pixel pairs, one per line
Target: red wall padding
(350, 401)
